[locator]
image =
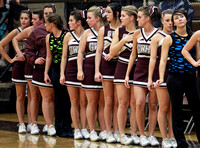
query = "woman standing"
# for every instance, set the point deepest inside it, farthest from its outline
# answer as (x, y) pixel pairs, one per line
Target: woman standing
(182, 76)
(105, 72)
(122, 46)
(86, 71)
(141, 49)
(37, 19)
(36, 54)
(69, 76)
(164, 112)
(18, 68)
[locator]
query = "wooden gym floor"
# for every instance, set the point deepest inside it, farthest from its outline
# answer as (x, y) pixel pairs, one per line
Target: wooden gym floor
(9, 138)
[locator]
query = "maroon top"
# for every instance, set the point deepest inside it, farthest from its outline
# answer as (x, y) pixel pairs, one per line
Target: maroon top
(36, 44)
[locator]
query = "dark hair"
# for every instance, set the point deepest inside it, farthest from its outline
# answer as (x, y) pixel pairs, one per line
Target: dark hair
(38, 12)
(151, 11)
(115, 8)
(77, 16)
(56, 19)
(28, 12)
(188, 29)
(52, 6)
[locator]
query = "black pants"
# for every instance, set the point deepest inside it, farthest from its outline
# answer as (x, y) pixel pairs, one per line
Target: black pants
(178, 85)
(62, 102)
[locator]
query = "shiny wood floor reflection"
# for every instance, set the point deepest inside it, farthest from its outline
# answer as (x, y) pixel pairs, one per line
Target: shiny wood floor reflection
(9, 138)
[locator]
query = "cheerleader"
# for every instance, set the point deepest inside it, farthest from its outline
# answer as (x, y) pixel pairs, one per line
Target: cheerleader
(68, 73)
(86, 71)
(141, 49)
(164, 112)
(37, 19)
(105, 72)
(122, 45)
(18, 68)
(36, 54)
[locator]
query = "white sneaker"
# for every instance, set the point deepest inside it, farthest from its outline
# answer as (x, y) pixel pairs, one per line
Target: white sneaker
(110, 138)
(51, 131)
(144, 141)
(125, 140)
(166, 143)
(103, 135)
(85, 133)
(77, 134)
(94, 136)
(117, 137)
(35, 130)
(173, 142)
(135, 138)
(153, 141)
(29, 126)
(22, 128)
(44, 130)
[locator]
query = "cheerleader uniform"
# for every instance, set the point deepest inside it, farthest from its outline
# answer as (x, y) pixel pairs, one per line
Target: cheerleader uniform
(35, 48)
(107, 68)
(18, 67)
(142, 66)
(89, 63)
(156, 70)
(71, 68)
(122, 64)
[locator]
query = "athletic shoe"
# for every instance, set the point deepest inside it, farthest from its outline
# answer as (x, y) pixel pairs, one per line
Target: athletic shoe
(103, 135)
(35, 130)
(29, 126)
(117, 137)
(51, 131)
(173, 142)
(110, 138)
(85, 133)
(125, 140)
(144, 141)
(135, 138)
(94, 136)
(22, 128)
(166, 143)
(44, 130)
(77, 134)
(153, 141)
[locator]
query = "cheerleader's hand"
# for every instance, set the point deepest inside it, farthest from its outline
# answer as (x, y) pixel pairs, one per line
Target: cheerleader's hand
(150, 85)
(126, 82)
(98, 77)
(128, 37)
(47, 80)
(40, 61)
(62, 79)
(158, 82)
(21, 56)
(16, 58)
(108, 57)
(80, 75)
